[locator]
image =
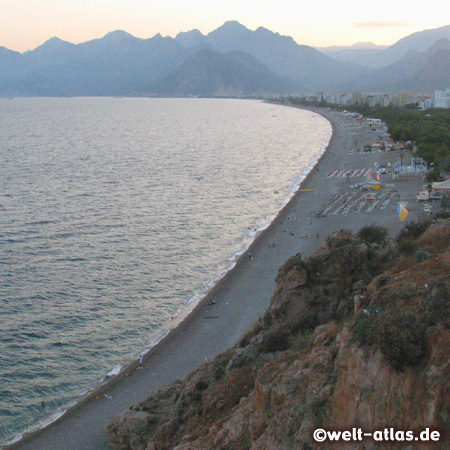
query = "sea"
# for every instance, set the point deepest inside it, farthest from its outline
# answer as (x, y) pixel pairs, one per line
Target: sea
(117, 215)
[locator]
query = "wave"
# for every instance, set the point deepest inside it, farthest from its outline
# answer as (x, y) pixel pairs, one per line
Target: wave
(248, 237)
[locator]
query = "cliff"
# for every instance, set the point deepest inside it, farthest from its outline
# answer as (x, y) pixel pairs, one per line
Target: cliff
(356, 336)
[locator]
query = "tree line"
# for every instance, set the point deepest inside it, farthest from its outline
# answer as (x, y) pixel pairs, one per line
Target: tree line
(428, 130)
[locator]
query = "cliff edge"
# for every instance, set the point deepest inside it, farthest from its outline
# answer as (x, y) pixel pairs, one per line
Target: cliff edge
(358, 335)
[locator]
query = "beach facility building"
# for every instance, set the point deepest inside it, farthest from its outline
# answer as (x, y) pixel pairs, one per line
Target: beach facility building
(442, 187)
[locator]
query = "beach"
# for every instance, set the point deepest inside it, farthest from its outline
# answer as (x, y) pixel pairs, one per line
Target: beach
(239, 298)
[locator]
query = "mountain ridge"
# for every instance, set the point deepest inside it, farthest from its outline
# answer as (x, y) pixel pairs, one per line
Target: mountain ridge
(121, 64)
(412, 66)
(377, 58)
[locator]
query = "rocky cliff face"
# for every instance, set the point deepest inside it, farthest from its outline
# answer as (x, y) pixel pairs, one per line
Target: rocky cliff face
(356, 336)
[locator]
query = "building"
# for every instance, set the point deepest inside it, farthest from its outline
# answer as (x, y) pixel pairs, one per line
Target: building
(442, 99)
(426, 104)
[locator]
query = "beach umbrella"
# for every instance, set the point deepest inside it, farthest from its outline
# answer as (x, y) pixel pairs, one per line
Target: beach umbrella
(402, 212)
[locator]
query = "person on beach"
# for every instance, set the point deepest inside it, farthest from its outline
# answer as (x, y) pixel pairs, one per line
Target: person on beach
(140, 361)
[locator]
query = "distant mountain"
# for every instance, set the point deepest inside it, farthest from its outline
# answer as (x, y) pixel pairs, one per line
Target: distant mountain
(103, 66)
(231, 59)
(120, 64)
(362, 53)
(191, 38)
(281, 54)
(357, 46)
(9, 60)
(417, 71)
(209, 73)
(435, 75)
(378, 58)
(419, 42)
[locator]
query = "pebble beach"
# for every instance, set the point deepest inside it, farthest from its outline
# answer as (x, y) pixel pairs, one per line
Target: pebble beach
(239, 298)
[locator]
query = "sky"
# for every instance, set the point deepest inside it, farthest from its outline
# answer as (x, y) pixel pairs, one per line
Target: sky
(26, 24)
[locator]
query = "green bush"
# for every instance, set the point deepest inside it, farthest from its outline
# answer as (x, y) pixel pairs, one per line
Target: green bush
(404, 292)
(267, 320)
(413, 230)
(402, 339)
(422, 255)
(294, 262)
(220, 363)
(442, 215)
(245, 340)
(438, 308)
(373, 234)
(274, 341)
(407, 247)
(363, 328)
(399, 336)
(382, 281)
(303, 340)
(319, 408)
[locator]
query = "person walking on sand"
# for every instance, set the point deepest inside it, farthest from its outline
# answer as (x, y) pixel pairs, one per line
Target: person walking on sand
(140, 361)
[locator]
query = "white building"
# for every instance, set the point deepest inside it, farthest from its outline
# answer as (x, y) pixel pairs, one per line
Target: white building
(426, 104)
(442, 99)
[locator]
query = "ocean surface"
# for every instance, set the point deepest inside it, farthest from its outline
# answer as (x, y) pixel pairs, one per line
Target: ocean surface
(116, 217)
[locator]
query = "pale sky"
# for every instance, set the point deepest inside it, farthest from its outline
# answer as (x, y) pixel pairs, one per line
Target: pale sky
(26, 24)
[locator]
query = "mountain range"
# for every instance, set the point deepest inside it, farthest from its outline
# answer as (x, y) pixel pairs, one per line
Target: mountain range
(229, 61)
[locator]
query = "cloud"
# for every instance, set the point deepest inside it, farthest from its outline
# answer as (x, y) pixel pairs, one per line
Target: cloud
(380, 24)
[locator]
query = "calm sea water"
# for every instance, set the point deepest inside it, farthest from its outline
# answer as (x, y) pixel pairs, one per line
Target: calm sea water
(117, 215)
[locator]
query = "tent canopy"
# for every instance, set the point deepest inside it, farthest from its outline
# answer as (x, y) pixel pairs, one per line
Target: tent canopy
(441, 185)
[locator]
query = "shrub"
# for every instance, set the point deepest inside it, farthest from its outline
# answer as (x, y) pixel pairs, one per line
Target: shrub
(220, 363)
(402, 339)
(413, 230)
(363, 328)
(373, 234)
(339, 238)
(274, 341)
(422, 255)
(399, 336)
(382, 281)
(438, 308)
(303, 341)
(294, 262)
(403, 291)
(267, 319)
(442, 215)
(245, 340)
(407, 247)
(319, 408)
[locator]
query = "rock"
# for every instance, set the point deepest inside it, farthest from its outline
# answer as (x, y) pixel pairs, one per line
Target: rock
(311, 363)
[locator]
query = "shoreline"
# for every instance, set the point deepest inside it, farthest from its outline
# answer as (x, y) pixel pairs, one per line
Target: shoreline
(186, 332)
(204, 298)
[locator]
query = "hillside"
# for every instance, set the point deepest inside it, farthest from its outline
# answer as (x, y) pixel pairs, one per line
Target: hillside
(378, 58)
(209, 73)
(417, 71)
(352, 339)
(281, 54)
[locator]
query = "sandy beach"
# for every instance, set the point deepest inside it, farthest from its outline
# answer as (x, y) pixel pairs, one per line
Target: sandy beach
(235, 303)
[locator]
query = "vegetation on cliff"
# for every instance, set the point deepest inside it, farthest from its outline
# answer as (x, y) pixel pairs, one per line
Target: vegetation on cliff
(356, 336)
